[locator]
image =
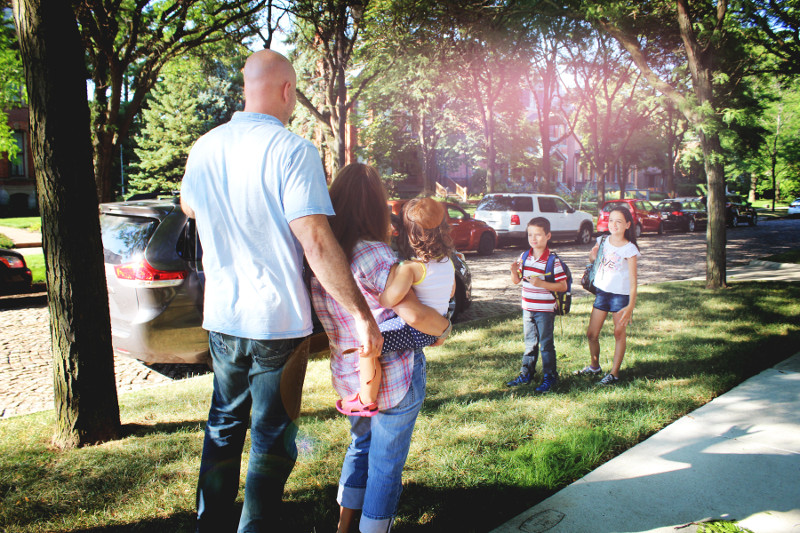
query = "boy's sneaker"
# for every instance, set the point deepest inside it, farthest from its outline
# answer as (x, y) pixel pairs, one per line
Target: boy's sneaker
(588, 371)
(548, 383)
(608, 379)
(522, 379)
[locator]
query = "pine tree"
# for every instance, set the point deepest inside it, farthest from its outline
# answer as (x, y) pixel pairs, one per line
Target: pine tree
(172, 124)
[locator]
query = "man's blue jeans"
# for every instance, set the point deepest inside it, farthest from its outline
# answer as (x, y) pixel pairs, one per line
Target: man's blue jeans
(267, 375)
(538, 331)
(372, 473)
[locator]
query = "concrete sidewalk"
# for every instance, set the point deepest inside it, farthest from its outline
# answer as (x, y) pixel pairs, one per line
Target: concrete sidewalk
(23, 239)
(736, 458)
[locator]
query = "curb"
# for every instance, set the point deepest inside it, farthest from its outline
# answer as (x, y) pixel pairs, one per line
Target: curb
(771, 265)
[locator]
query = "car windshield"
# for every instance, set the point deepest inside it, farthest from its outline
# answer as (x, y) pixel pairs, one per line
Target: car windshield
(125, 237)
(611, 205)
(505, 203)
(669, 206)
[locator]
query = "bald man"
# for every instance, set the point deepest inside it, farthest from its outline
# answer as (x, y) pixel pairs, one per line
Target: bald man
(258, 194)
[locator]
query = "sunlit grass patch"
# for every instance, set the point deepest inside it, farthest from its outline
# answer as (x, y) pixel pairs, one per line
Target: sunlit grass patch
(481, 453)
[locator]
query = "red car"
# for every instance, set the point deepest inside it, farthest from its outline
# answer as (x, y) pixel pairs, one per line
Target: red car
(468, 234)
(645, 216)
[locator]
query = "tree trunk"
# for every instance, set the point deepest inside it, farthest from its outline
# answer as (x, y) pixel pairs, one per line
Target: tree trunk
(716, 236)
(85, 393)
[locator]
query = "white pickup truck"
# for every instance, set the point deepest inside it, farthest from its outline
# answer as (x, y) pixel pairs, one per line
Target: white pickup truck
(509, 214)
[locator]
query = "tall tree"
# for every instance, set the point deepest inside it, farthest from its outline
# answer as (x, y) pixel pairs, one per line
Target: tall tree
(715, 49)
(12, 83)
(85, 389)
(335, 41)
(544, 81)
(195, 93)
(128, 42)
(614, 104)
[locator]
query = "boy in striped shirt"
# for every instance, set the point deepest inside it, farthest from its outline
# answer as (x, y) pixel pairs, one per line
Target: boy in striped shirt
(538, 305)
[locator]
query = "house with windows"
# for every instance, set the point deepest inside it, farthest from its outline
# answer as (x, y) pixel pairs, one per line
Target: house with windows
(17, 178)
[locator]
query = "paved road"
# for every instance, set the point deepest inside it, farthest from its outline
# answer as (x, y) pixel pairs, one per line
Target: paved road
(25, 361)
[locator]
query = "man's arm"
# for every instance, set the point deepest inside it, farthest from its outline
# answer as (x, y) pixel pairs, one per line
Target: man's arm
(186, 209)
(327, 260)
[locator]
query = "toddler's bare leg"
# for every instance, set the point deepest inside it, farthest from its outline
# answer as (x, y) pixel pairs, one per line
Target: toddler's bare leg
(370, 376)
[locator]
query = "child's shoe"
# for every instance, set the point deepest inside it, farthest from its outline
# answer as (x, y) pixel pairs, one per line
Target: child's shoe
(588, 371)
(353, 406)
(522, 379)
(548, 383)
(609, 379)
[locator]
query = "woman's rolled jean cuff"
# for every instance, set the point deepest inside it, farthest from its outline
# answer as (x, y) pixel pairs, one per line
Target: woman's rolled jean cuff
(353, 498)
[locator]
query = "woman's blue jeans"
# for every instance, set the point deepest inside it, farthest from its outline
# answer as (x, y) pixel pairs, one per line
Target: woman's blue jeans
(372, 472)
(267, 376)
(538, 331)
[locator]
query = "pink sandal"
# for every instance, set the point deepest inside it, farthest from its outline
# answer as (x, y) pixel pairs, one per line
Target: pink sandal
(353, 406)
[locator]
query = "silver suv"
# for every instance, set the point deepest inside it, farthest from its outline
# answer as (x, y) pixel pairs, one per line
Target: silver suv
(155, 281)
(509, 215)
(154, 272)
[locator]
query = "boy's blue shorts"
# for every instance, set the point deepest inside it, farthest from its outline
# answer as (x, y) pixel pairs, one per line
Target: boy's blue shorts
(610, 302)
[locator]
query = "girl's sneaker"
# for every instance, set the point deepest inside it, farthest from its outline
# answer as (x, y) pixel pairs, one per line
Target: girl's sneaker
(352, 406)
(608, 379)
(588, 371)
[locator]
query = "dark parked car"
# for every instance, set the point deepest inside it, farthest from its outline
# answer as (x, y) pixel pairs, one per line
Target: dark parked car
(155, 279)
(645, 216)
(737, 210)
(15, 276)
(683, 215)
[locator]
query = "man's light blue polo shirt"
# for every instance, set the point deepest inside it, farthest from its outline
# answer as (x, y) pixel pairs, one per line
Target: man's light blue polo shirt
(246, 180)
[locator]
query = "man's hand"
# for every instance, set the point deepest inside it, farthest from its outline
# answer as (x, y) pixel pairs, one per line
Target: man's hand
(327, 260)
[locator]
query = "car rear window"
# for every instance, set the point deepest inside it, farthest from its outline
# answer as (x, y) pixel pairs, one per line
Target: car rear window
(506, 203)
(125, 237)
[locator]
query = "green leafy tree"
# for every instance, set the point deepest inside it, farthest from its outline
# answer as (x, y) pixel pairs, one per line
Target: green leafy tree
(718, 56)
(128, 42)
(195, 94)
(12, 82)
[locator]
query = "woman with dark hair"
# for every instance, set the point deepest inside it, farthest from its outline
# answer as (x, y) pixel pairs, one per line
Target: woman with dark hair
(371, 478)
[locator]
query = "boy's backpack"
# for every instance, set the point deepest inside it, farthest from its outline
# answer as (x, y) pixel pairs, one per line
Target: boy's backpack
(563, 299)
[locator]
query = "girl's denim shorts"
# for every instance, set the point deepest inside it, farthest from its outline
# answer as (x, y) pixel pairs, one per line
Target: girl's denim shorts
(610, 302)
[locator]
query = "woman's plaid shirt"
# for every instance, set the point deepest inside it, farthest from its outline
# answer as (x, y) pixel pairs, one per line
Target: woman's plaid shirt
(370, 266)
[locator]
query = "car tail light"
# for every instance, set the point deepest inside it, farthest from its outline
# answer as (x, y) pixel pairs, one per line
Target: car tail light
(12, 261)
(677, 213)
(142, 274)
(515, 220)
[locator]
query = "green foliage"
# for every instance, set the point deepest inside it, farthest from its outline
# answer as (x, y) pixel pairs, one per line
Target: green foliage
(12, 82)
(5, 242)
(195, 94)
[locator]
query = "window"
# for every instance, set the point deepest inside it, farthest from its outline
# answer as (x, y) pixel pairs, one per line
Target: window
(522, 203)
(18, 163)
(125, 237)
(547, 205)
(455, 213)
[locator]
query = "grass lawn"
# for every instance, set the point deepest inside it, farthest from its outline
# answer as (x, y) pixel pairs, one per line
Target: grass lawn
(27, 223)
(481, 452)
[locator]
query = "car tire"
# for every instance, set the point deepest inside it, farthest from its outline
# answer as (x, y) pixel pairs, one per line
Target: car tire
(753, 220)
(637, 231)
(486, 244)
(661, 229)
(461, 299)
(691, 226)
(585, 234)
